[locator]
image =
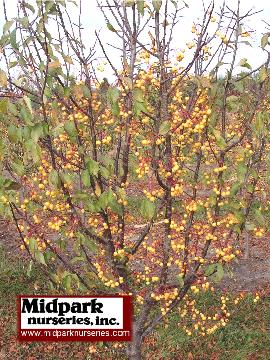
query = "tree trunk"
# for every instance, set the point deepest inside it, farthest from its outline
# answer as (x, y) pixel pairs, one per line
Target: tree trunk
(134, 349)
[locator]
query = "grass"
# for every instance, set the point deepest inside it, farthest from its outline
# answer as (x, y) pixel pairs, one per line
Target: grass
(13, 277)
(246, 337)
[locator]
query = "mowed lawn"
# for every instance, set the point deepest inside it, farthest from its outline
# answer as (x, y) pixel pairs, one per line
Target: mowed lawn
(247, 336)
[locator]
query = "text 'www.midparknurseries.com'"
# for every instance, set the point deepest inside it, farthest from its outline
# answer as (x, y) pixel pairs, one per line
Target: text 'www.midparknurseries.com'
(74, 318)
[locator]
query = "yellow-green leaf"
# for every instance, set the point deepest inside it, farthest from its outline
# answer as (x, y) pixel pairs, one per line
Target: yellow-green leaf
(54, 64)
(3, 78)
(263, 74)
(165, 127)
(68, 59)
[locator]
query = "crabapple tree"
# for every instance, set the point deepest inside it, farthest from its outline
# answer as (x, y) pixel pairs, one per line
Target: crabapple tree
(143, 182)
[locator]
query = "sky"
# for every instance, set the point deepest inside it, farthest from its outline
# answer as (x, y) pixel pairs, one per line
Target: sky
(92, 19)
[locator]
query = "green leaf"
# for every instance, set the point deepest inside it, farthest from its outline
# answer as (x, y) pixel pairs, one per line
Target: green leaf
(104, 172)
(221, 143)
(39, 257)
(105, 199)
(24, 21)
(7, 26)
(26, 132)
(235, 188)
(50, 7)
(92, 167)
(260, 123)
(219, 273)
(91, 206)
(148, 209)
(29, 270)
(250, 188)
(26, 115)
(239, 216)
(210, 270)
(165, 127)
(30, 7)
(249, 226)
(66, 177)
(14, 133)
(33, 150)
(32, 245)
(233, 103)
(37, 132)
(215, 272)
(70, 128)
(140, 7)
(116, 208)
(2, 147)
(259, 217)
(13, 40)
(11, 185)
(264, 40)
(129, 2)
(112, 96)
(92, 246)
(18, 167)
(77, 259)
(110, 27)
(157, 4)
(241, 172)
(13, 109)
(28, 103)
(3, 106)
(86, 178)
(243, 62)
(180, 280)
(54, 178)
(139, 104)
(246, 43)
(80, 196)
(63, 2)
(175, 3)
(239, 86)
(231, 100)
(254, 173)
(66, 281)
